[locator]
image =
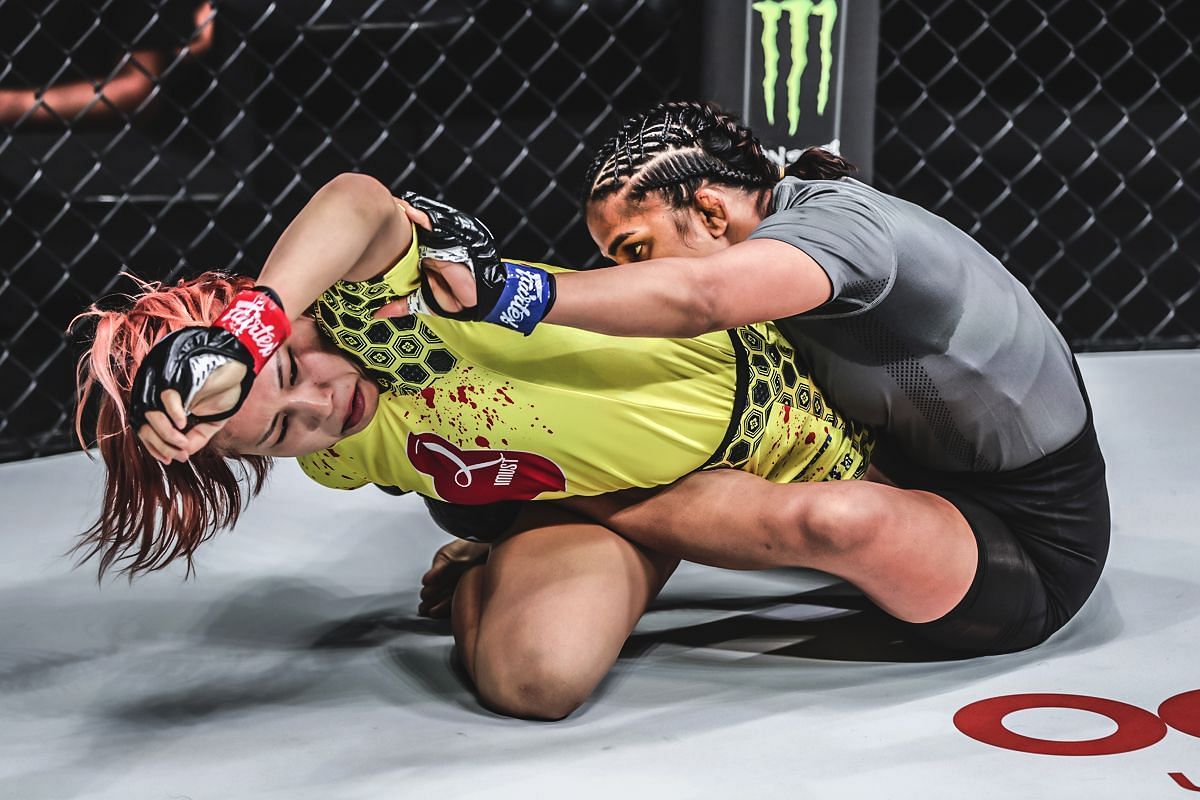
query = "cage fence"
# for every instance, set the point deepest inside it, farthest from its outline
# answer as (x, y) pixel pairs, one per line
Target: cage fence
(165, 138)
(1064, 137)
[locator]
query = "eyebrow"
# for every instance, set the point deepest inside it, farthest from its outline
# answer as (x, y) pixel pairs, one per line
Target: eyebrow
(275, 419)
(617, 241)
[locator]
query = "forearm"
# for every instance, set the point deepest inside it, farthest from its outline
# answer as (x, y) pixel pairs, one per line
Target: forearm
(350, 230)
(124, 93)
(749, 282)
(663, 298)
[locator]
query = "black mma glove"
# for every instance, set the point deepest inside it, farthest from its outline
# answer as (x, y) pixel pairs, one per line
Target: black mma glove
(249, 331)
(516, 296)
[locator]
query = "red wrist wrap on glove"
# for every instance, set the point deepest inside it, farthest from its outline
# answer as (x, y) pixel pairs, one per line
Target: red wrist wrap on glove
(258, 322)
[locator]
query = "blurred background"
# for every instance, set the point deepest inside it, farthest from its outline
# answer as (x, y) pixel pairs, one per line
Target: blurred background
(166, 138)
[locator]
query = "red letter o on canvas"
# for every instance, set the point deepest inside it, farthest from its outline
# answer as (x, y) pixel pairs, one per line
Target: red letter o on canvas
(1136, 727)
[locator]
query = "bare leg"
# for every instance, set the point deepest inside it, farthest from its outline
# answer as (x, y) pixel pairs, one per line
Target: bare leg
(543, 621)
(910, 551)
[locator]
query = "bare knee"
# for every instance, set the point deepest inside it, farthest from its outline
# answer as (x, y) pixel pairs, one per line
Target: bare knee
(531, 681)
(814, 528)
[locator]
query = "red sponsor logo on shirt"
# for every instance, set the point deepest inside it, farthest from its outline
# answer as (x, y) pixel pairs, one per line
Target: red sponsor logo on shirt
(475, 477)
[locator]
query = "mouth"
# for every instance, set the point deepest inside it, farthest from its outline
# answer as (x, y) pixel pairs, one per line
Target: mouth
(354, 413)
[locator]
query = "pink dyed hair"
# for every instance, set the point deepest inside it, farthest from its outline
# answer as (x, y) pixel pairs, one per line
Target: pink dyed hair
(154, 514)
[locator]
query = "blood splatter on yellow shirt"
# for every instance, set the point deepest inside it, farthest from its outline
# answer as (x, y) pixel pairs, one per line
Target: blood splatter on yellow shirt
(472, 413)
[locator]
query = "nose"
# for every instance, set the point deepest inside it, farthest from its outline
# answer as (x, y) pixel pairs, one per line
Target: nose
(311, 401)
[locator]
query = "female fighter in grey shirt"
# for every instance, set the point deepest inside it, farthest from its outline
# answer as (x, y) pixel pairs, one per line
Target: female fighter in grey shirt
(996, 526)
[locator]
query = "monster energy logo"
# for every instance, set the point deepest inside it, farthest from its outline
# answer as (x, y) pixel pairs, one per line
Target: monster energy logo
(799, 13)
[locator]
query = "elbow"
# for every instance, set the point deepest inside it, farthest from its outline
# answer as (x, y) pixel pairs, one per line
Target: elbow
(365, 195)
(704, 310)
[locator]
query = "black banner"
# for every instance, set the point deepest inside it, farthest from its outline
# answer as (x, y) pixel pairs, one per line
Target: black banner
(800, 72)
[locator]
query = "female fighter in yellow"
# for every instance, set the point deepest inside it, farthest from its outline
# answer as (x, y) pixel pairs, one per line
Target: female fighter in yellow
(217, 376)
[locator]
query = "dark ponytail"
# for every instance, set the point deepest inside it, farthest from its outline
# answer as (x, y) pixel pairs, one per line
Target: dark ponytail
(818, 164)
(675, 147)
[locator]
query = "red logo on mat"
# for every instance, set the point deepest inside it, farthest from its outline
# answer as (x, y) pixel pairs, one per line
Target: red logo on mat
(983, 721)
(475, 477)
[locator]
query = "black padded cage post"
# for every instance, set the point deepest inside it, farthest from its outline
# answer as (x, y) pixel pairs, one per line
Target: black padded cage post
(799, 72)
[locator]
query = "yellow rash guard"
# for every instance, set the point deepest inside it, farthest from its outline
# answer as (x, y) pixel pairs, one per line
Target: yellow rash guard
(473, 413)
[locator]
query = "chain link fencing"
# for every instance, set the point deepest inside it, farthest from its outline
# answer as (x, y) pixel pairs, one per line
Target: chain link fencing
(1065, 137)
(165, 138)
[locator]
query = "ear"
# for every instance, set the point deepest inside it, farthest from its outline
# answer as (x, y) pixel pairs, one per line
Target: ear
(713, 212)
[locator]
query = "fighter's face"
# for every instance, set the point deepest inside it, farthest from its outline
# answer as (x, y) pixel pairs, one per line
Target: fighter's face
(307, 397)
(627, 232)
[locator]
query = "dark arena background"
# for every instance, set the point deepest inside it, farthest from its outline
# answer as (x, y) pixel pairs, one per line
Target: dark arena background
(1062, 135)
(319, 650)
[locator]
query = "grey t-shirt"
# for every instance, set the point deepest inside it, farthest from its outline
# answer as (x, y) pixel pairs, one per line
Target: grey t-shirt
(926, 337)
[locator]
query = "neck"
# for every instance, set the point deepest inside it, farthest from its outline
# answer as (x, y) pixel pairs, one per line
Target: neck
(744, 217)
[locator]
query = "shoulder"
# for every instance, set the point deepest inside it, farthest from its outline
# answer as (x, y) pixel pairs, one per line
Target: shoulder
(844, 226)
(842, 203)
(328, 469)
(837, 210)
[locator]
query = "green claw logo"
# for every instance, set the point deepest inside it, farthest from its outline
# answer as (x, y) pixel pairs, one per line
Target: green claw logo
(799, 13)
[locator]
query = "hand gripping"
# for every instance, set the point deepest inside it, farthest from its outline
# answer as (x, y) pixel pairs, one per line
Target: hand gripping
(515, 296)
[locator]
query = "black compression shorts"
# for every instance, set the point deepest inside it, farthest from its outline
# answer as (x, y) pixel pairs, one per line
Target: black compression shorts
(1043, 534)
(482, 523)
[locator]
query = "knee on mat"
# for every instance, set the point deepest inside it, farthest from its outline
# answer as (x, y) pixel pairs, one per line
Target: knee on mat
(534, 684)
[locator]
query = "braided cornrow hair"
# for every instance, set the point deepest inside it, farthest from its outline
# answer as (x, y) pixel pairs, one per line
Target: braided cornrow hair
(675, 147)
